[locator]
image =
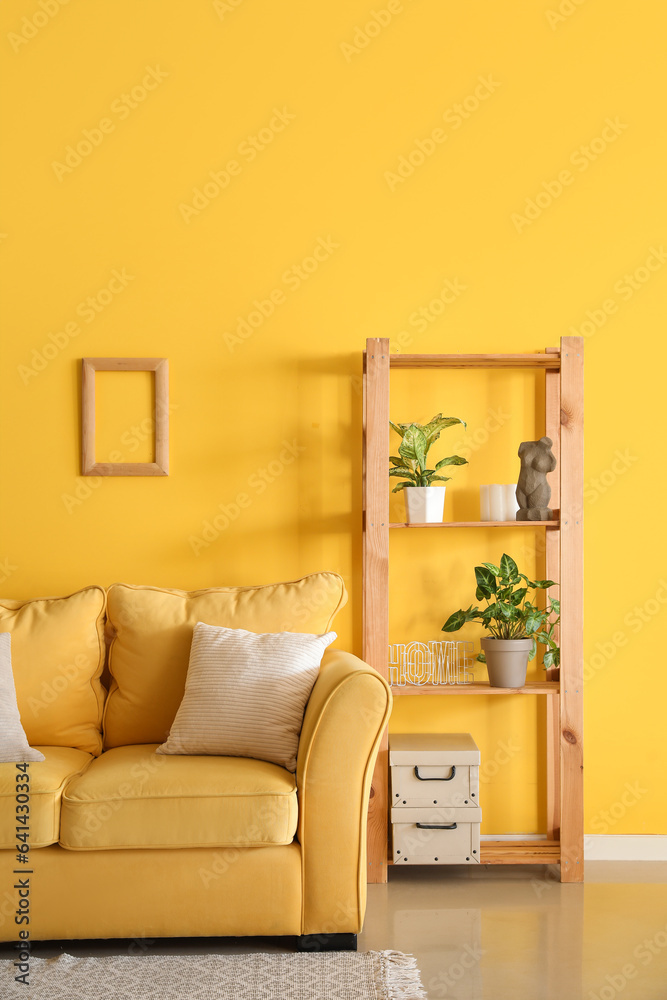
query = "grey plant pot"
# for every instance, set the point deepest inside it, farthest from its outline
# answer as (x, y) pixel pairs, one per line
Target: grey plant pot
(507, 661)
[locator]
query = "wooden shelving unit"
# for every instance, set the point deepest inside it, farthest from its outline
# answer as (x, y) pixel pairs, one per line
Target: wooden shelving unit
(563, 368)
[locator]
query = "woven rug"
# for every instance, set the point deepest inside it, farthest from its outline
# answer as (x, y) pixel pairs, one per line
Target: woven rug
(373, 975)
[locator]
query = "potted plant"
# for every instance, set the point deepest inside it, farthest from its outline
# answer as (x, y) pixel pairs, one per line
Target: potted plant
(514, 622)
(424, 503)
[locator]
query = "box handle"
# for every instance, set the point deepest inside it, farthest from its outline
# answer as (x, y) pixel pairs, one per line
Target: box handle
(418, 775)
(436, 826)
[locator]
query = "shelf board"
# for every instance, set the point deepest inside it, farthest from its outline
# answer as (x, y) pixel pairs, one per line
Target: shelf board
(477, 524)
(519, 852)
(516, 852)
(479, 687)
(546, 362)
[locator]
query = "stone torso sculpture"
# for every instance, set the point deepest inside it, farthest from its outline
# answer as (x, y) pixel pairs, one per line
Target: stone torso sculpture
(533, 491)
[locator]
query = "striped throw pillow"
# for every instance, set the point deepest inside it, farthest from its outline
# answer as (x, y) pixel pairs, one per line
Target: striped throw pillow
(246, 693)
(14, 747)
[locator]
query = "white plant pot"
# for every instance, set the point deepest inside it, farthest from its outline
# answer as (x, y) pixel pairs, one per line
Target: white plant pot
(424, 504)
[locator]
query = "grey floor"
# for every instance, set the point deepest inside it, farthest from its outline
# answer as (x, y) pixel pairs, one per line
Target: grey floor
(492, 933)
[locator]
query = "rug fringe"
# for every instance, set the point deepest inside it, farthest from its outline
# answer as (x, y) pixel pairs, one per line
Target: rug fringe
(403, 981)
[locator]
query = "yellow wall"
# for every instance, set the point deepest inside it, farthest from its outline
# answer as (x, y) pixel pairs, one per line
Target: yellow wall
(316, 215)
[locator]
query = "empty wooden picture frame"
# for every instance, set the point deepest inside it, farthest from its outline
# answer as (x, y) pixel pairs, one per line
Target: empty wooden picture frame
(160, 467)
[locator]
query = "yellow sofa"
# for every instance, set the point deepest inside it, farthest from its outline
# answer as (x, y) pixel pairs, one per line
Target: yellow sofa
(124, 842)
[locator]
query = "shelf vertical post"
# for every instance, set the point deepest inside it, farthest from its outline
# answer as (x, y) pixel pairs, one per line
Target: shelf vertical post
(571, 595)
(552, 572)
(376, 575)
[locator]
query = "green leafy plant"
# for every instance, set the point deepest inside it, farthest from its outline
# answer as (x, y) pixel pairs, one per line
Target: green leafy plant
(509, 613)
(411, 462)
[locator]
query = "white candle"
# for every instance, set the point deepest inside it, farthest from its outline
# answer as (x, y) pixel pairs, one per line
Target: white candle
(511, 505)
(497, 502)
(484, 512)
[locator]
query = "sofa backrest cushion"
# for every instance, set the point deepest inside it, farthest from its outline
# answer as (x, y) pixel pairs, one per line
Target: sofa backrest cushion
(153, 627)
(57, 659)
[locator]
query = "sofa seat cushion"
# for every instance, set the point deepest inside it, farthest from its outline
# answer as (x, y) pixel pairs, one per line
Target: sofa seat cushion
(131, 797)
(152, 633)
(47, 781)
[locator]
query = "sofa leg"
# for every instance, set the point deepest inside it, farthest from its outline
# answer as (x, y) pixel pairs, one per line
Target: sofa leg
(326, 942)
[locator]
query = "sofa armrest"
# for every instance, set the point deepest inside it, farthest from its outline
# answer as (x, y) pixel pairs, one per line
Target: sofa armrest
(345, 718)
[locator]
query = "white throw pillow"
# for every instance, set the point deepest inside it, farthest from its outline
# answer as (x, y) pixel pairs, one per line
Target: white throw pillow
(246, 693)
(14, 747)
